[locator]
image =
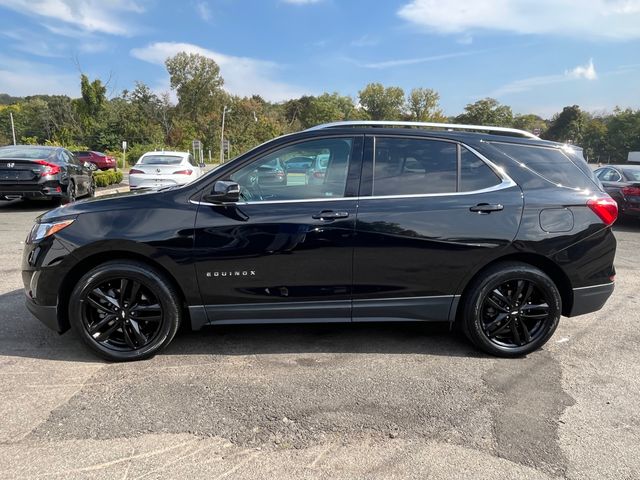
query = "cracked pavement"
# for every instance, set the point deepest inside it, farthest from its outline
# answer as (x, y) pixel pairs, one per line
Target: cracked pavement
(321, 401)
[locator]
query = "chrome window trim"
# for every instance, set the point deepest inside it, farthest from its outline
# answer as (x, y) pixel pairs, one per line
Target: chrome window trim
(507, 182)
(270, 202)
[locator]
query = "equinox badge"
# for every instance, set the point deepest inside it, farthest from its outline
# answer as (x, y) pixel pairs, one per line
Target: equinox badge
(235, 273)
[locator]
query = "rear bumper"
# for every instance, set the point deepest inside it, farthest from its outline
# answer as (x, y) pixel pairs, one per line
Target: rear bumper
(33, 190)
(590, 299)
(155, 182)
(46, 314)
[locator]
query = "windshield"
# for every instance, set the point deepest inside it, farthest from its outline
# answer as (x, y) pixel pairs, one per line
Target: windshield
(159, 160)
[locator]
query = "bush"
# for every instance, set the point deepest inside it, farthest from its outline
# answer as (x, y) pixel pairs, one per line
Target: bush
(109, 177)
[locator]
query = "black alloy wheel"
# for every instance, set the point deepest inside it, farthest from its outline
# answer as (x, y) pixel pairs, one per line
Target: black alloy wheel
(512, 310)
(70, 197)
(92, 188)
(125, 310)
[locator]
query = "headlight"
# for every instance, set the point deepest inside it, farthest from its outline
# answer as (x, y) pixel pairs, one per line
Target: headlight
(43, 230)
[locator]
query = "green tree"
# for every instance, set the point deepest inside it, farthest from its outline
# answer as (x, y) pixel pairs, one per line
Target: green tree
(594, 139)
(567, 126)
(382, 103)
(308, 110)
(422, 104)
(623, 134)
(487, 111)
(197, 82)
(530, 122)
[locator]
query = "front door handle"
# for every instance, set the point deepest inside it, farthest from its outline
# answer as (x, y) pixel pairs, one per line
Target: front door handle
(330, 215)
(487, 208)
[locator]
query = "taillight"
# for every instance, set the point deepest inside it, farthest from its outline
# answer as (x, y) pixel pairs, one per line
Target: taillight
(605, 207)
(49, 168)
(183, 172)
(318, 174)
(135, 170)
(631, 191)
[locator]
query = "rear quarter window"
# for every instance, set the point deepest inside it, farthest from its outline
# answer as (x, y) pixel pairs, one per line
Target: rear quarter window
(549, 164)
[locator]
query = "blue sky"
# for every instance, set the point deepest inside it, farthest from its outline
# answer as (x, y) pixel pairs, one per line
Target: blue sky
(536, 56)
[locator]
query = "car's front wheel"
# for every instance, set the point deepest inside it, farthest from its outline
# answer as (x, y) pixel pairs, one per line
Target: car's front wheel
(511, 310)
(125, 310)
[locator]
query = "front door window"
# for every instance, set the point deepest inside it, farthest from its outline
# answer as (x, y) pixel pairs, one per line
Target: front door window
(315, 169)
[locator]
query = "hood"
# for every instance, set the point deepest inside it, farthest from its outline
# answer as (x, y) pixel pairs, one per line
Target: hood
(114, 201)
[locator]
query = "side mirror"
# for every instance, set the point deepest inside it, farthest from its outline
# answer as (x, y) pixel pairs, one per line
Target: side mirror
(223, 192)
(202, 165)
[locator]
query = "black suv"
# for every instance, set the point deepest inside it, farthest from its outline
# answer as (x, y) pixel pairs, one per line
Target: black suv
(495, 229)
(33, 172)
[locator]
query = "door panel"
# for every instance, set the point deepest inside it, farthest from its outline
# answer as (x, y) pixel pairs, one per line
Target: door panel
(274, 254)
(411, 252)
(278, 260)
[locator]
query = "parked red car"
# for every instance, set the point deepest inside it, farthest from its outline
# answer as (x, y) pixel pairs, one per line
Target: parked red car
(99, 159)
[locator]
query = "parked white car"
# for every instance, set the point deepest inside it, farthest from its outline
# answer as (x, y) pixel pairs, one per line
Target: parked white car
(164, 169)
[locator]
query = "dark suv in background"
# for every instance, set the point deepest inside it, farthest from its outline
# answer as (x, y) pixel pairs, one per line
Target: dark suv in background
(38, 172)
(491, 228)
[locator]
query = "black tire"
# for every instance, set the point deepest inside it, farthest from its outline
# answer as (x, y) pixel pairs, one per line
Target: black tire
(141, 322)
(511, 310)
(92, 188)
(70, 195)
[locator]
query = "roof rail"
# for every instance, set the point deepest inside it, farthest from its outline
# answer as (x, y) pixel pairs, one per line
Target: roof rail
(447, 126)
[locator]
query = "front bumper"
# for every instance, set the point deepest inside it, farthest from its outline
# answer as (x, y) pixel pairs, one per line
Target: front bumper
(590, 299)
(44, 266)
(45, 313)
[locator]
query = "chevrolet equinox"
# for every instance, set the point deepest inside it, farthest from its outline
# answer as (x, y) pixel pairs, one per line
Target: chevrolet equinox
(490, 228)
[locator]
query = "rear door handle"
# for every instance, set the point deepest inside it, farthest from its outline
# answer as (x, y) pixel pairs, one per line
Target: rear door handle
(487, 208)
(330, 215)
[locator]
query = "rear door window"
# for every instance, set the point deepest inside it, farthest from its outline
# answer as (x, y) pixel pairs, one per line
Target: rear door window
(409, 166)
(475, 174)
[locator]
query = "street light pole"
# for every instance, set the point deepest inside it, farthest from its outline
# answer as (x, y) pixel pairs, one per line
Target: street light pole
(224, 113)
(13, 128)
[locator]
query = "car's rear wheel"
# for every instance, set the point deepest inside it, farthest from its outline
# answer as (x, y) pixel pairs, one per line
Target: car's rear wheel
(70, 196)
(125, 310)
(511, 310)
(92, 188)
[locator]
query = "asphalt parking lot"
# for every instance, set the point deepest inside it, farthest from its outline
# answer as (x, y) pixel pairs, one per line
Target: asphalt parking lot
(323, 401)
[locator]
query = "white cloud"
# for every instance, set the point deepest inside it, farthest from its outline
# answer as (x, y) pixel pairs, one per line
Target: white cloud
(414, 61)
(22, 78)
(612, 19)
(90, 15)
(242, 75)
(203, 10)
(581, 72)
(587, 71)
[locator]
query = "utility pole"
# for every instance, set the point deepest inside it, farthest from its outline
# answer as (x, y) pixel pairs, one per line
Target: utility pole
(224, 113)
(13, 128)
